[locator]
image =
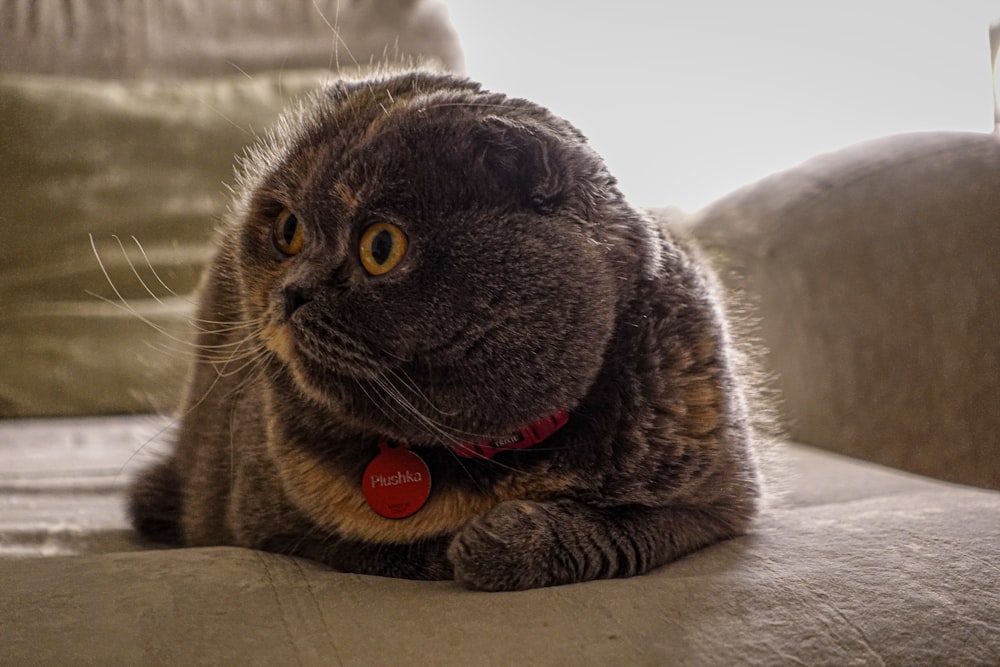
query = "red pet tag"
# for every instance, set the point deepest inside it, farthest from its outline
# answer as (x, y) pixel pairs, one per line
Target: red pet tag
(397, 482)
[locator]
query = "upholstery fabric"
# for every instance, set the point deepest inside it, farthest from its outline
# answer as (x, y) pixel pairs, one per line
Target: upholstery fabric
(106, 159)
(856, 565)
(872, 275)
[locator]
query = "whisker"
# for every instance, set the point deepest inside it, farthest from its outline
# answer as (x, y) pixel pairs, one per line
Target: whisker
(135, 271)
(229, 120)
(148, 441)
(427, 423)
(194, 321)
(222, 351)
(177, 419)
(489, 461)
(408, 382)
(123, 303)
(226, 327)
(124, 306)
(338, 40)
(281, 75)
(380, 404)
(202, 357)
(461, 464)
(442, 431)
(247, 355)
(446, 433)
(238, 69)
(222, 372)
(153, 270)
(264, 361)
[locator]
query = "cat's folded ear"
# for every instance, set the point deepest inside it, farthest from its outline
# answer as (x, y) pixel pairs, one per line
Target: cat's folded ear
(549, 170)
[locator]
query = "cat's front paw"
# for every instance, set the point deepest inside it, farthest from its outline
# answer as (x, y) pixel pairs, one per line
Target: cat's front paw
(510, 548)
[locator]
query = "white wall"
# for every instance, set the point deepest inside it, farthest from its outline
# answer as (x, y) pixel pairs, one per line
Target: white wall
(688, 101)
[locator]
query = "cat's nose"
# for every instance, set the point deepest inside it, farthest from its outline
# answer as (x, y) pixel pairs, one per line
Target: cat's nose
(296, 296)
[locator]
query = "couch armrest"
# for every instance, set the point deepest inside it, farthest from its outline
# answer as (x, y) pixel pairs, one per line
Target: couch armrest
(874, 277)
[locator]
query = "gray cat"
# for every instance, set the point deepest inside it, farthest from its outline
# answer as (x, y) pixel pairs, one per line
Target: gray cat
(437, 343)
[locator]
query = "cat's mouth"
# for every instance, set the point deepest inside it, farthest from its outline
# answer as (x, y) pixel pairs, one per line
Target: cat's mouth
(319, 359)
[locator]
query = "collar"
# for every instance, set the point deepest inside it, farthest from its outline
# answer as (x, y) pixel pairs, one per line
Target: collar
(397, 482)
(530, 435)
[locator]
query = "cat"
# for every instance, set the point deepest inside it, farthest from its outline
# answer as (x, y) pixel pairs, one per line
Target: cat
(437, 343)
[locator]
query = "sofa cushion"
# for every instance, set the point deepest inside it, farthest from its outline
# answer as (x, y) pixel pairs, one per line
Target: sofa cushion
(113, 159)
(772, 600)
(854, 564)
(873, 275)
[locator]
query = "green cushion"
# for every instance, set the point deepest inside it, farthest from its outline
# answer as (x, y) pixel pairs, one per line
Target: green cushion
(89, 159)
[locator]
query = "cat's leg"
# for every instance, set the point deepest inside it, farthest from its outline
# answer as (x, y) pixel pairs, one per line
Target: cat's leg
(525, 544)
(425, 559)
(154, 503)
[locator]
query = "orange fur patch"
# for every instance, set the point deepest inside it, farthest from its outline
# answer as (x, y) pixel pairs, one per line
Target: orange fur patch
(703, 398)
(278, 339)
(347, 195)
(702, 395)
(337, 503)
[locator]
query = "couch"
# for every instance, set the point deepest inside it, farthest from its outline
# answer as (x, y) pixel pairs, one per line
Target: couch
(867, 280)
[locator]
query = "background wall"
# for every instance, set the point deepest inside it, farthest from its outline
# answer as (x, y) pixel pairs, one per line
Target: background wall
(688, 101)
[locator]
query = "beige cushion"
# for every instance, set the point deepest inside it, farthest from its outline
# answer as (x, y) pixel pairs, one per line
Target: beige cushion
(874, 273)
(91, 158)
(859, 565)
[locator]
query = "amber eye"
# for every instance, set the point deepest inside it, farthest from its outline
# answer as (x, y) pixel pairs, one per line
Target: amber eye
(287, 234)
(382, 248)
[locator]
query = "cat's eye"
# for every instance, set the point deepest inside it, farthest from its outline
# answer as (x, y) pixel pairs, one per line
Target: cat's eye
(383, 246)
(287, 234)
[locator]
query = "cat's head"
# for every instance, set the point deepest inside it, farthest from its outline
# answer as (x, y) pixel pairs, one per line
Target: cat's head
(433, 258)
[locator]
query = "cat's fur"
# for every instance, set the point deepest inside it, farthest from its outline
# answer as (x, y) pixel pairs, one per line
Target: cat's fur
(530, 286)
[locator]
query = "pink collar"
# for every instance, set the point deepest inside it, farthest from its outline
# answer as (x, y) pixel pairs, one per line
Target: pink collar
(397, 482)
(530, 435)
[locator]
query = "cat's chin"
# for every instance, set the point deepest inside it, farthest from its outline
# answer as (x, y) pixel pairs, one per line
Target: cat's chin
(393, 409)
